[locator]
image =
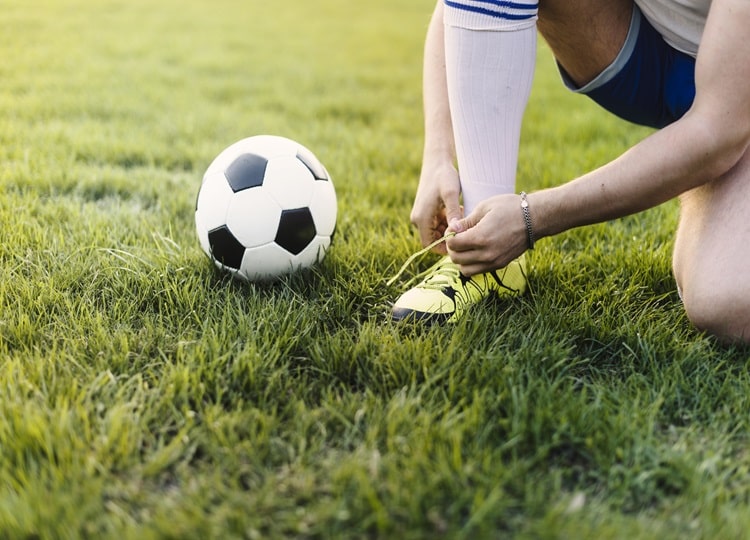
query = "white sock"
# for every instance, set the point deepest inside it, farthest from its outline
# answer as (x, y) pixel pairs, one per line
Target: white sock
(490, 60)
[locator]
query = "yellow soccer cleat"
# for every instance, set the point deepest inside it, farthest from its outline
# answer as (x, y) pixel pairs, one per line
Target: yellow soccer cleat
(445, 293)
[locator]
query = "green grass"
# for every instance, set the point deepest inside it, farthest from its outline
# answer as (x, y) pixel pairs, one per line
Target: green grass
(144, 395)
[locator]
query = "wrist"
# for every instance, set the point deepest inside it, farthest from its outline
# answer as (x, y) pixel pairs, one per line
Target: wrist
(547, 212)
(439, 148)
(437, 164)
(436, 158)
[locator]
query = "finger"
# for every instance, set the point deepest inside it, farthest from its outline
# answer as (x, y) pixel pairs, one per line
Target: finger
(470, 239)
(438, 233)
(452, 207)
(468, 222)
(469, 262)
(426, 235)
(463, 253)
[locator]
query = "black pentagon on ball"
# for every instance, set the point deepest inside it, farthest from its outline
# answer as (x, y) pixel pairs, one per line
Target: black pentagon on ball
(247, 171)
(296, 230)
(225, 248)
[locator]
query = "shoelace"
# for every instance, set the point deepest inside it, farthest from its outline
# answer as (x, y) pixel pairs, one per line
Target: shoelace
(448, 269)
(443, 274)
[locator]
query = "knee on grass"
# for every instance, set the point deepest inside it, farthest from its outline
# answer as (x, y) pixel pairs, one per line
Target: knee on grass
(722, 312)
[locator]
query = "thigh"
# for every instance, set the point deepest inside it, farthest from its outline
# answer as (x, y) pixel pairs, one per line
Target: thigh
(712, 253)
(585, 35)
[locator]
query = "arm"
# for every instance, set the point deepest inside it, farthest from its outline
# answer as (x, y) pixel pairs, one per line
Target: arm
(437, 197)
(707, 142)
(700, 147)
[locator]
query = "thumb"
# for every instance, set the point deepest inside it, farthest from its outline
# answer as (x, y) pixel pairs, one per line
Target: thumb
(461, 225)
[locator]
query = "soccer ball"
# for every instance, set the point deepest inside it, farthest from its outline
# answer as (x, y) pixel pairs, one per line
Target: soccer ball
(266, 208)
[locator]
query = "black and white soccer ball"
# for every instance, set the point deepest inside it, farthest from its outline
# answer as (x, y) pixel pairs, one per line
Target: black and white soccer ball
(266, 208)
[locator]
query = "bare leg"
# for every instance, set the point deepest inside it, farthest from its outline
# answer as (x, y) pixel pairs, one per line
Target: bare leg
(585, 35)
(711, 256)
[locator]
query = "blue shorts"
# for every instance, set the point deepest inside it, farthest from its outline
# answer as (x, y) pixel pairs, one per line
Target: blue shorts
(649, 83)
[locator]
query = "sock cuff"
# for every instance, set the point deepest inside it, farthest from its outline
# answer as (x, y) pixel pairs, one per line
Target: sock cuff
(491, 14)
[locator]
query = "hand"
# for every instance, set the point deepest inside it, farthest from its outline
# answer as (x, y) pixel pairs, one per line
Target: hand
(490, 237)
(436, 203)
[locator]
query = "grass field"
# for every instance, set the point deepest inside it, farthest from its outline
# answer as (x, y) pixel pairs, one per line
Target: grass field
(143, 395)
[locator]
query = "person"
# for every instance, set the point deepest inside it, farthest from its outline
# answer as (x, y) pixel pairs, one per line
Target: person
(681, 66)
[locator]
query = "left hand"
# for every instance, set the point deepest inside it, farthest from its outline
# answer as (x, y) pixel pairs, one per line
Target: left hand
(490, 237)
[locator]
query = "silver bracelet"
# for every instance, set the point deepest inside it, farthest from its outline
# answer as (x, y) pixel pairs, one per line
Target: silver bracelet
(527, 220)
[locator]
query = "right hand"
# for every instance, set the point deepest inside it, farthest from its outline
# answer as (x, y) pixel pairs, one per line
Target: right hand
(436, 203)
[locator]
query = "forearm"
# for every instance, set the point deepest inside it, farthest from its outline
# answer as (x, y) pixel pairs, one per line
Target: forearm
(661, 167)
(702, 146)
(439, 143)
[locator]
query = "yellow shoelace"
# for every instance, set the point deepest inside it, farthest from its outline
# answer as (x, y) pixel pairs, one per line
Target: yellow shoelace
(417, 255)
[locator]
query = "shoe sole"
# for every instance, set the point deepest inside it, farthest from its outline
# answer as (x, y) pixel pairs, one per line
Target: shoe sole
(419, 317)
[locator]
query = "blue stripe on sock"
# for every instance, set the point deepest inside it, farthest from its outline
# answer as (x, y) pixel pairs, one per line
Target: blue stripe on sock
(497, 14)
(508, 4)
